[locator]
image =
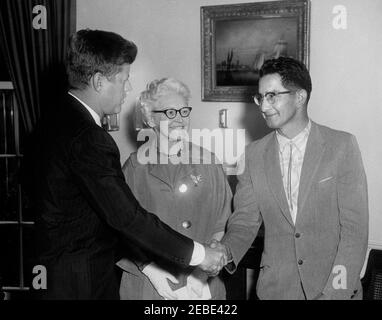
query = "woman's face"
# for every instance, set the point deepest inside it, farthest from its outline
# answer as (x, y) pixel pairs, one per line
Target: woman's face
(177, 126)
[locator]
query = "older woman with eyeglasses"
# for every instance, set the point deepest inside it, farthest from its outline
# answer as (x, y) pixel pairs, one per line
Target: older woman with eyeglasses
(189, 194)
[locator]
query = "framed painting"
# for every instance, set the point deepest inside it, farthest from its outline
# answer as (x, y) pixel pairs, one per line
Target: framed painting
(236, 40)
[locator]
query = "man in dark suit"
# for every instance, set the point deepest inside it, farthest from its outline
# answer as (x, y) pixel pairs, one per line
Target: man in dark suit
(84, 204)
(307, 184)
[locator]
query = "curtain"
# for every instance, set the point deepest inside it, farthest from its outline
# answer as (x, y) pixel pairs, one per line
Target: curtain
(35, 57)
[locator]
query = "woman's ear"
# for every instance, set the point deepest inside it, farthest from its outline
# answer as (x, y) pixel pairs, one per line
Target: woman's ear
(147, 116)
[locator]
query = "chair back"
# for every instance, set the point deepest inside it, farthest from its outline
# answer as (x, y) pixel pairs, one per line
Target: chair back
(372, 281)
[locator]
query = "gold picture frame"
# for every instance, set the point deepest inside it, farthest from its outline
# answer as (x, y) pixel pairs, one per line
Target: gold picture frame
(236, 39)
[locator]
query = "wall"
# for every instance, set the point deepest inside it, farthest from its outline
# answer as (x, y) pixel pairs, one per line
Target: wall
(346, 73)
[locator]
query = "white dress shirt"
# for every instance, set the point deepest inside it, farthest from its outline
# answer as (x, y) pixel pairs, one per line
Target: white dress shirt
(298, 144)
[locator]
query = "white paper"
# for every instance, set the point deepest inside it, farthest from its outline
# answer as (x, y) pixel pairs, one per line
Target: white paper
(183, 294)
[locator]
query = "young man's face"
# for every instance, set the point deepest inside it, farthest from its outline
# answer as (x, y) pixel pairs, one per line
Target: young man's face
(282, 113)
(115, 90)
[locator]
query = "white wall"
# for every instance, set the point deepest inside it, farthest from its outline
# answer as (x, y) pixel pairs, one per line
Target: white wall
(344, 64)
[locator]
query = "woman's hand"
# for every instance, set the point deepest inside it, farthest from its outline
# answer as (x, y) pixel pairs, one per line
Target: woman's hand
(158, 278)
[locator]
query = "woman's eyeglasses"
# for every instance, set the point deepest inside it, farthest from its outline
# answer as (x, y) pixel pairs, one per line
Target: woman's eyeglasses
(171, 113)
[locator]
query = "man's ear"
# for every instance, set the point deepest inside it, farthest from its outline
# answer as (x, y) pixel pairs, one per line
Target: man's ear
(97, 81)
(302, 96)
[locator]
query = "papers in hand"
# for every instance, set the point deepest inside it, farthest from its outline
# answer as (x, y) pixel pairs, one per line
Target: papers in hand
(183, 294)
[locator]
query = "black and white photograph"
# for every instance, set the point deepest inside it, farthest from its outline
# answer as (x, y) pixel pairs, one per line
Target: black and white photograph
(216, 153)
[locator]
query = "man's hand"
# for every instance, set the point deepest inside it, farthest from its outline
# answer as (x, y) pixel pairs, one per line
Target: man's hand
(158, 278)
(215, 258)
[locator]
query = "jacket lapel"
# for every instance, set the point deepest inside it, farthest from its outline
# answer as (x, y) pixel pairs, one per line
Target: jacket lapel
(274, 178)
(158, 172)
(313, 153)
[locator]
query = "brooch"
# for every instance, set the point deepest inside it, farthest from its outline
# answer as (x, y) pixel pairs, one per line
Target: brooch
(196, 179)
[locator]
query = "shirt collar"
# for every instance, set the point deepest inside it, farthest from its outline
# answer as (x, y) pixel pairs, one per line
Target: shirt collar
(94, 114)
(298, 140)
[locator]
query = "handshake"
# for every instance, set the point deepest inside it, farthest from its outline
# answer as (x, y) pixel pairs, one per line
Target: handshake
(217, 256)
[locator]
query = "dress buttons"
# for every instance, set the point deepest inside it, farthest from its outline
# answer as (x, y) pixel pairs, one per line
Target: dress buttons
(300, 262)
(297, 235)
(183, 188)
(186, 224)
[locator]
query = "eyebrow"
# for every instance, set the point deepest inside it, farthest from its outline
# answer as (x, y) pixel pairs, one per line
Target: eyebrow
(274, 91)
(267, 92)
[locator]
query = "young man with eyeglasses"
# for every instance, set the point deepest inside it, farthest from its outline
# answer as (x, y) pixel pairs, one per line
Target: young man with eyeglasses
(307, 184)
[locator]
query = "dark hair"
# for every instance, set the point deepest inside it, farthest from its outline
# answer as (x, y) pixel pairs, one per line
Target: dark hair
(293, 73)
(92, 51)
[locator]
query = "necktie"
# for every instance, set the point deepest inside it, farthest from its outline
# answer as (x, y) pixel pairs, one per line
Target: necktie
(289, 180)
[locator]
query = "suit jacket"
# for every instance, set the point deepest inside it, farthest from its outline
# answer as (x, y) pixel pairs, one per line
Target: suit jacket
(85, 205)
(326, 247)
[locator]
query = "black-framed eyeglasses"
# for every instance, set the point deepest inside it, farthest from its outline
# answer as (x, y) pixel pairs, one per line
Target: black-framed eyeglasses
(269, 96)
(171, 113)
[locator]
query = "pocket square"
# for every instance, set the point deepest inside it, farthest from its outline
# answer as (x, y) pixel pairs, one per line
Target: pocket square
(325, 179)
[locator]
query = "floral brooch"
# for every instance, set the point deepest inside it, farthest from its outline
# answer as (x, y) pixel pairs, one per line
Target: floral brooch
(196, 179)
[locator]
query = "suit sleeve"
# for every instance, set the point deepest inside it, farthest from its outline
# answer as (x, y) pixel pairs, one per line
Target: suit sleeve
(353, 214)
(94, 160)
(139, 257)
(223, 199)
(244, 223)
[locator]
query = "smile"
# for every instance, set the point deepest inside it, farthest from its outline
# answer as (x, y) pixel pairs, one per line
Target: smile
(269, 115)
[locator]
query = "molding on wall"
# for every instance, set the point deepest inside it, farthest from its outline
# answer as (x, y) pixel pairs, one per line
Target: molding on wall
(375, 245)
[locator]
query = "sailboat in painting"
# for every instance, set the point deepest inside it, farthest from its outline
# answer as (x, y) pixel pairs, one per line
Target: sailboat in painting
(280, 49)
(258, 61)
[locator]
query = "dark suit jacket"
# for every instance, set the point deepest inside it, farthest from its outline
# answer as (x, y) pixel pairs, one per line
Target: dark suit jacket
(84, 204)
(329, 238)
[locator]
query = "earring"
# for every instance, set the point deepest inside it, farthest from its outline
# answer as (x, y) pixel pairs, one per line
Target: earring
(151, 123)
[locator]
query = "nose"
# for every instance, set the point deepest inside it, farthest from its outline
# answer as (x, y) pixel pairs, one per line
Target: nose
(265, 105)
(178, 117)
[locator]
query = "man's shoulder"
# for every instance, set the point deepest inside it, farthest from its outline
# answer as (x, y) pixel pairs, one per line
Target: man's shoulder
(333, 136)
(92, 133)
(69, 121)
(260, 144)
(132, 160)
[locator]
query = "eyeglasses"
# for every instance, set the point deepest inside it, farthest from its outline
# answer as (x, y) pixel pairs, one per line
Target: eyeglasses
(269, 96)
(171, 113)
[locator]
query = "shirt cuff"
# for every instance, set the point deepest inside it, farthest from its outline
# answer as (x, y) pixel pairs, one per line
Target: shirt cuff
(198, 254)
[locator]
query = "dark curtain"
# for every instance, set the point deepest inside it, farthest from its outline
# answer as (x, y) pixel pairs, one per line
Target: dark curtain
(35, 57)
